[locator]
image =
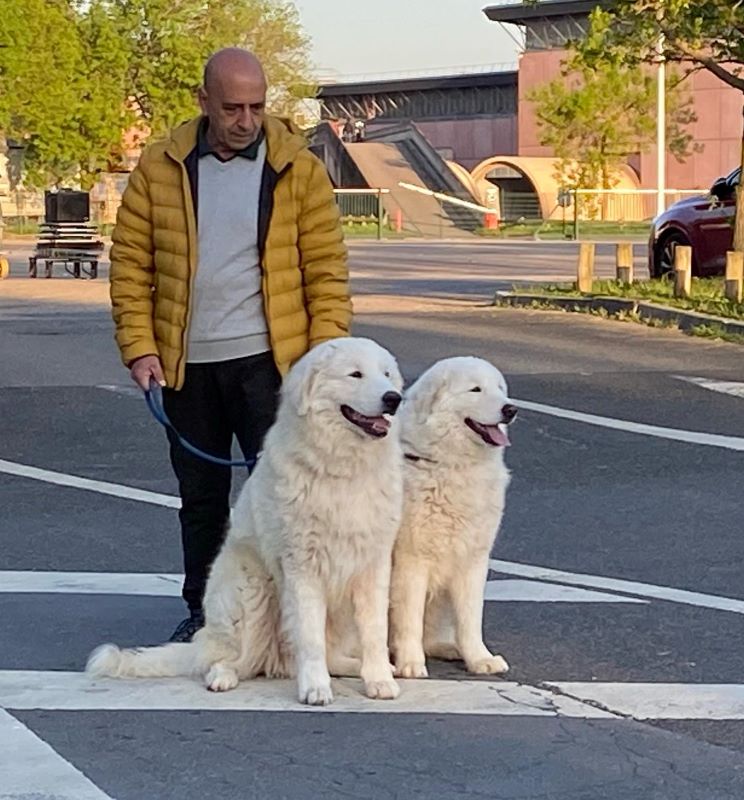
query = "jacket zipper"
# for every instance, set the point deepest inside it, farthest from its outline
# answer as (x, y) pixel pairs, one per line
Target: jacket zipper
(266, 207)
(191, 236)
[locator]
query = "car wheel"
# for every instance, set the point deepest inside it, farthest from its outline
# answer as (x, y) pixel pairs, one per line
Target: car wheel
(664, 256)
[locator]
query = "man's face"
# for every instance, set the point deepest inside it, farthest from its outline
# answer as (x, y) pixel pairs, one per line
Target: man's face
(235, 106)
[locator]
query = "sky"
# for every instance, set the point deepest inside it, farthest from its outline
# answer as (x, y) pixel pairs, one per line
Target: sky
(363, 38)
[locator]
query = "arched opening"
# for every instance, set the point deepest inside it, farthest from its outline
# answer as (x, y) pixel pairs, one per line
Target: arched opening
(527, 187)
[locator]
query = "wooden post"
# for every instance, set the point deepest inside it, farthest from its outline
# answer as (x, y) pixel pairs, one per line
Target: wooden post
(682, 270)
(585, 272)
(624, 263)
(734, 276)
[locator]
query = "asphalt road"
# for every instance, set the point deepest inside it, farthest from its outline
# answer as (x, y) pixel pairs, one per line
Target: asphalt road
(617, 690)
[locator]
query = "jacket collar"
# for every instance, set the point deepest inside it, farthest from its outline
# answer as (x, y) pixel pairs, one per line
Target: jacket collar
(204, 148)
(282, 143)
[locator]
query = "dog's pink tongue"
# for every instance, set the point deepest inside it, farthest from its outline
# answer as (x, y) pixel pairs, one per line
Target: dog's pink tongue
(498, 435)
(380, 424)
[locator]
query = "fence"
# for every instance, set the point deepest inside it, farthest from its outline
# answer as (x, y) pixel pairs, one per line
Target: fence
(620, 205)
(362, 207)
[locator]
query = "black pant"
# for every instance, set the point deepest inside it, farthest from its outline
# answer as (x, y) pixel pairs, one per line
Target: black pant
(218, 400)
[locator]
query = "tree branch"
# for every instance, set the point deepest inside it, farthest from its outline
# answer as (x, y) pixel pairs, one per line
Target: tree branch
(706, 60)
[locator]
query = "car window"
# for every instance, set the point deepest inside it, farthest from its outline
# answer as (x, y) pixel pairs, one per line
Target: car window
(734, 178)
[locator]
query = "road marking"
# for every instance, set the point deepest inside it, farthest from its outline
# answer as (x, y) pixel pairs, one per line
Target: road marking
(169, 585)
(733, 388)
(125, 583)
(648, 590)
(127, 391)
(76, 482)
(32, 770)
(520, 591)
(75, 691)
(24, 690)
(674, 434)
(169, 501)
(642, 701)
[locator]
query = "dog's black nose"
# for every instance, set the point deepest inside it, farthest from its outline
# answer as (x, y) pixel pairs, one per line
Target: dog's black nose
(508, 412)
(390, 402)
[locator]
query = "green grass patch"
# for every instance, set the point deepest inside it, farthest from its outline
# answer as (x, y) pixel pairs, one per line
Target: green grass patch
(555, 229)
(707, 294)
(369, 231)
(20, 228)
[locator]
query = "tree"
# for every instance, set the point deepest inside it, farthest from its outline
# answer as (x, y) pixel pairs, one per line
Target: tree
(696, 35)
(168, 41)
(76, 75)
(594, 118)
(39, 53)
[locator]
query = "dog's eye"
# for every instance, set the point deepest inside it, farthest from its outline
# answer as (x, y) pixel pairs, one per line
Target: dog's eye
(387, 374)
(356, 374)
(476, 389)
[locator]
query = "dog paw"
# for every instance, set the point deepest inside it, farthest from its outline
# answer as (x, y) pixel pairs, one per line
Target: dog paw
(221, 679)
(492, 665)
(382, 690)
(316, 696)
(412, 669)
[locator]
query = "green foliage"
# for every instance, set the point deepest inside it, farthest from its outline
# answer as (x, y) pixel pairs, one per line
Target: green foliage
(75, 75)
(707, 35)
(697, 35)
(593, 118)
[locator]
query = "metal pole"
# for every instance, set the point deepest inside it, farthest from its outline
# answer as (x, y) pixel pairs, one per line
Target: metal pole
(576, 214)
(660, 125)
(379, 214)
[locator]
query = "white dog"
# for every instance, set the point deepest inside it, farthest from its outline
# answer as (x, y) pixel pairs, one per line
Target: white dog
(453, 429)
(301, 585)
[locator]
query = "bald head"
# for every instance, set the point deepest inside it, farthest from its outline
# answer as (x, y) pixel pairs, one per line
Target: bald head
(233, 97)
(230, 62)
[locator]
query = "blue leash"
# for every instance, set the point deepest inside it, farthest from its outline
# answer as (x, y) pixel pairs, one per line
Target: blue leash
(154, 400)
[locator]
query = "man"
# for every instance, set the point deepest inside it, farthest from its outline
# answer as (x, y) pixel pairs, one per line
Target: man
(227, 265)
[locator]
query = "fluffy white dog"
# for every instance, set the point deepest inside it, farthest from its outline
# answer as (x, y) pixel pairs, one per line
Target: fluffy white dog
(453, 429)
(301, 585)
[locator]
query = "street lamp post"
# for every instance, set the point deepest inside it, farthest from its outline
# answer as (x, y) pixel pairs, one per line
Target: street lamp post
(660, 126)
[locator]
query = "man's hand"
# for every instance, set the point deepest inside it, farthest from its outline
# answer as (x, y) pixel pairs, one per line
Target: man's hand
(146, 368)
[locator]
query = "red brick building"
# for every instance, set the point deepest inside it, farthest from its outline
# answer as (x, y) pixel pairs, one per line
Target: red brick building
(548, 27)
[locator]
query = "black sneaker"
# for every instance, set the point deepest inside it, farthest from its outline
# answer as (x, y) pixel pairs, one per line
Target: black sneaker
(186, 630)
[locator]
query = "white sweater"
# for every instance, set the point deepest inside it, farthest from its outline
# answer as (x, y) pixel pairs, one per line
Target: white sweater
(227, 316)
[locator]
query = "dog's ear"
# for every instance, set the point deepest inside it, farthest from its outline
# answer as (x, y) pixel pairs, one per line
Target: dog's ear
(424, 396)
(299, 385)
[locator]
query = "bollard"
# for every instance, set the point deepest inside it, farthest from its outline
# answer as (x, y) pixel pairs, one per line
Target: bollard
(585, 272)
(491, 221)
(682, 270)
(734, 276)
(398, 220)
(4, 267)
(624, 263)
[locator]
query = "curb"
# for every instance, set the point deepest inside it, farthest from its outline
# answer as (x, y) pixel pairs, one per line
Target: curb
(682, 318)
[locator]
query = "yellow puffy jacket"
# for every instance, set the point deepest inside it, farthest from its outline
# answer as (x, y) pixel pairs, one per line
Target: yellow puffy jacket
(154, 252)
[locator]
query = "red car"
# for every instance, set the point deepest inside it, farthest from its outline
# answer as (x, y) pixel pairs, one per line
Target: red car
(706, 222)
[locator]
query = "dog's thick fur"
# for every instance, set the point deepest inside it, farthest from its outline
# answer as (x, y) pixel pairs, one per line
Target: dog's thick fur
(301, 585)
(455, 484)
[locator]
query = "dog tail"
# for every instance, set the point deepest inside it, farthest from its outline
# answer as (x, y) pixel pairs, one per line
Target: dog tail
(166, 661)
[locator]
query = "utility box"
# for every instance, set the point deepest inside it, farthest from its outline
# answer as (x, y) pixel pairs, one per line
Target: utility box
(66, 205)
